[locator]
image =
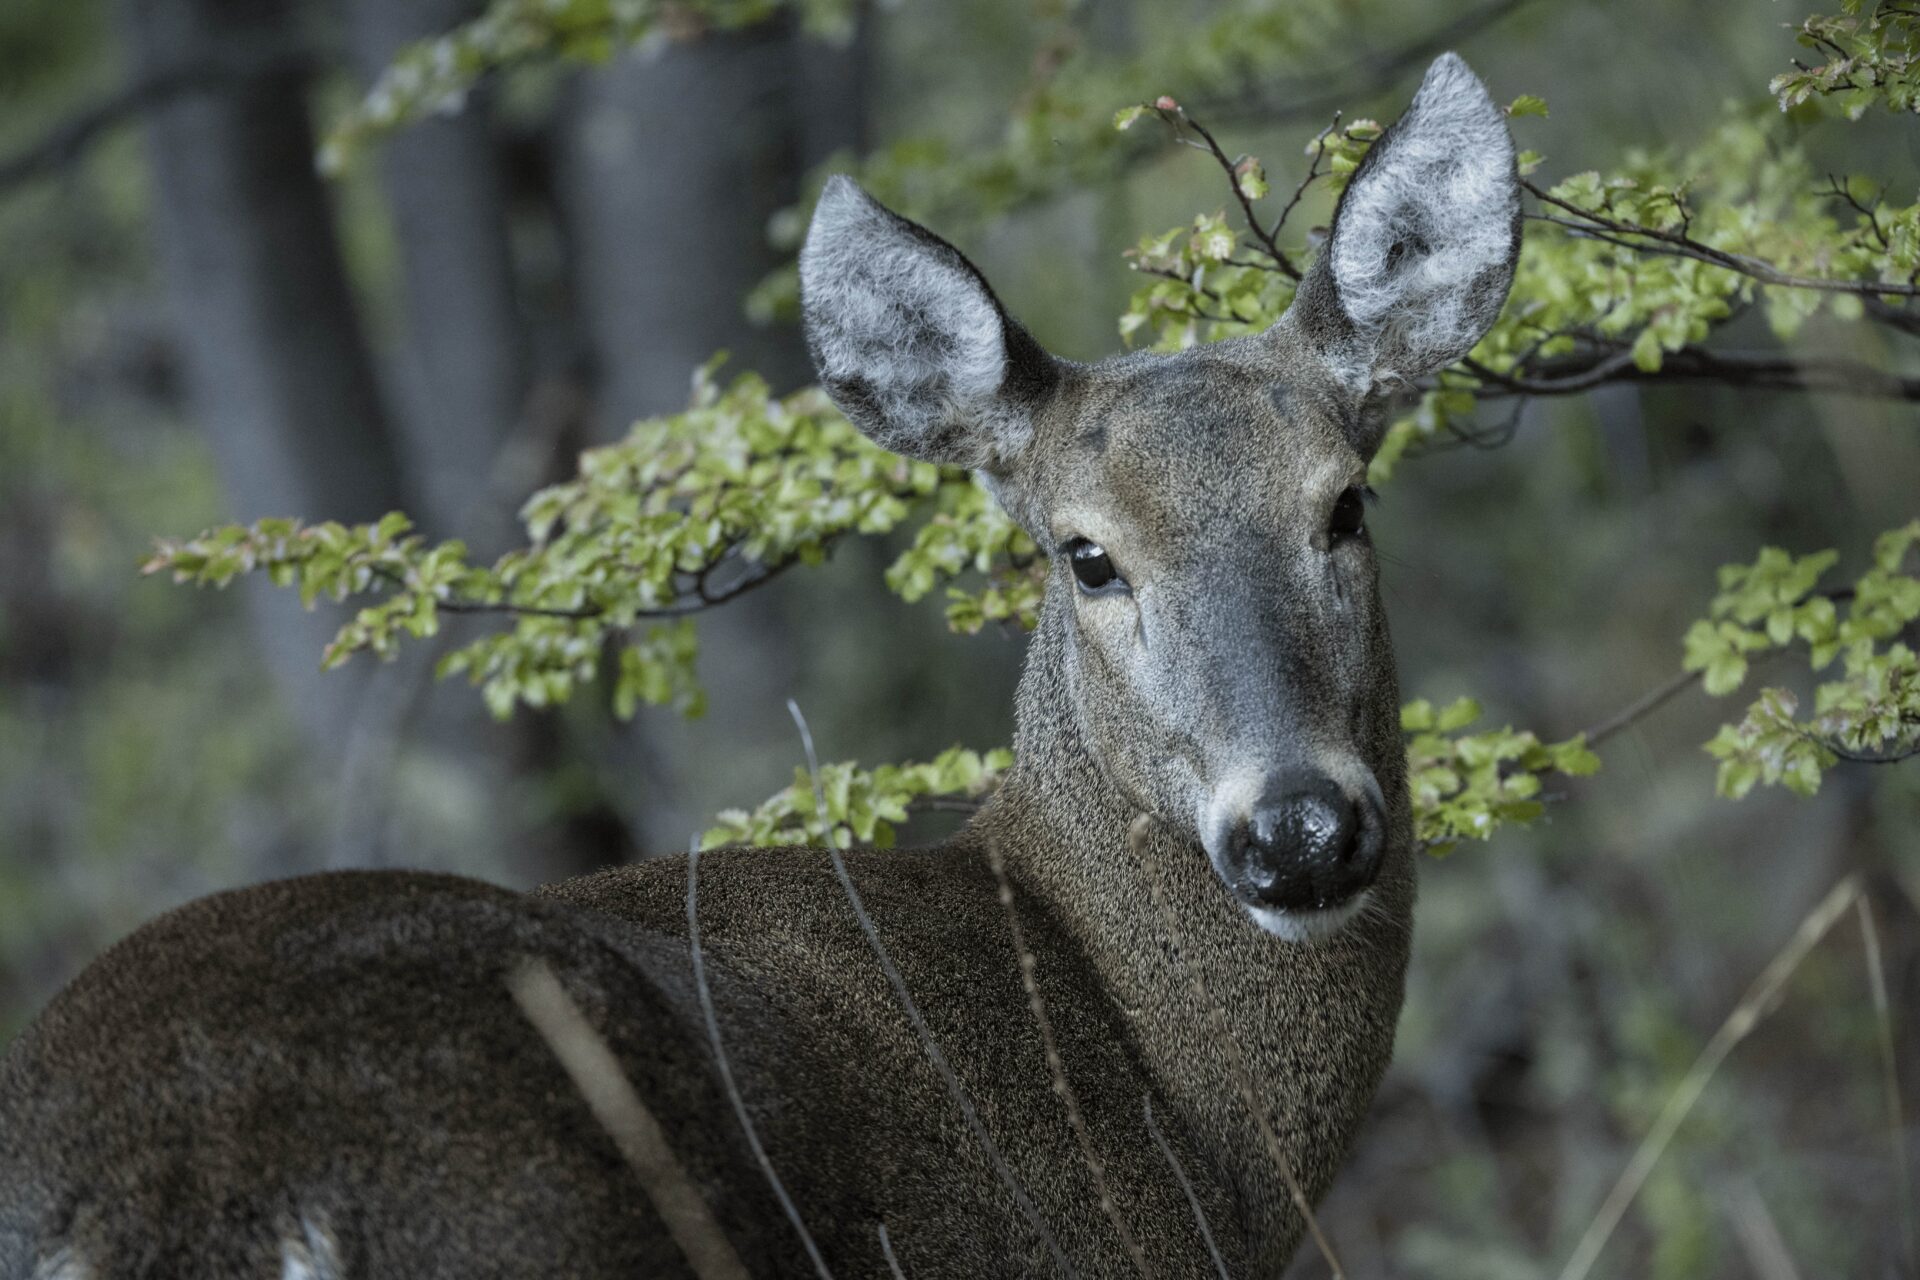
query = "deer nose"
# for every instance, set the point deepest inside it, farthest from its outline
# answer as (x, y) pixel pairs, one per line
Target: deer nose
(1306, 846)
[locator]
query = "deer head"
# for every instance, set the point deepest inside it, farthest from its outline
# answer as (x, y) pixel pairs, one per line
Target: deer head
(1213, 600)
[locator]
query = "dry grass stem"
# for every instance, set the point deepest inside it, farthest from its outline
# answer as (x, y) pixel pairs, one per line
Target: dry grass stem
(596, 1073)
(726, 1068)
(1746, 1015)
(1243, 1078)
(1759, 1236)
(1180, 1176)
(1056, 1068)
(886, 1251)
(1890, 1073)
(955, 1089)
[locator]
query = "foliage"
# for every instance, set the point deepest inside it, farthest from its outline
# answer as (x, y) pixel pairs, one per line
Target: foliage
(1467, 785)
(1871, 713)
(1622, 270)
(1870, 57)
(1623, 274)
(687, 512)
(968, 531)
(434, 76)
(858, 805)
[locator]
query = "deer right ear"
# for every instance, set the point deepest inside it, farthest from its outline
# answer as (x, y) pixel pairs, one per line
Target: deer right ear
(909, 340)
(1424, 241)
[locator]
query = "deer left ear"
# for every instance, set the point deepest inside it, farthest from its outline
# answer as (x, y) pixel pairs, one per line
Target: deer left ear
(911, 343)
(1424, 242)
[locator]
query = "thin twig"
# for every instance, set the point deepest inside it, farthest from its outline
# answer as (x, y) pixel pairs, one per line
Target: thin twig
(1741, 264)
(1137, 846)
(1056, 1067)
(955, 1089)
(702, 599)
(1178, 117)
(1851, 756)
(1889, 1069)
(707, 1012)
(1319, 145)
(1740, 1023)
(1902, 319)
(1180, 1176)
(596, 1073)
(1645, 705)
(1759, 370)
(1760, 1236)
(1587, 378)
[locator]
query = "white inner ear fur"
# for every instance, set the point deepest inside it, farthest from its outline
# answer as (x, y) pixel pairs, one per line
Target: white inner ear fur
(1447, 178)
(902, 316)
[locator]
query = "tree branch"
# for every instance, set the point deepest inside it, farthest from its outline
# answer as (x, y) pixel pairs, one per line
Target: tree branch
(1645, 705)
(1178, 118)
(1358, 79)
(1753, 370)
(1680, 244)
(64, 143)
(1866, 757)
(703, 598)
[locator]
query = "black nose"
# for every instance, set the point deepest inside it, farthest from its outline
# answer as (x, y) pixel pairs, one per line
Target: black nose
(1305, 846)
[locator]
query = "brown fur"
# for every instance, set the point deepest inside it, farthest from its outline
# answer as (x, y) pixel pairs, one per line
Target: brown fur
(343, 1049)
(335, 1064)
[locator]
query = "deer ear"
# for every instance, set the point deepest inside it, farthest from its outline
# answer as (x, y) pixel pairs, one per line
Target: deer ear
(909, 340)
(1424, 241)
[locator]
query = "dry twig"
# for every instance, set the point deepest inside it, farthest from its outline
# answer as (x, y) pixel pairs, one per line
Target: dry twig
(726, 1068)
(955, 1089)
(1746, 1015)
(1889, 1070)
(1243, 1078)
(1186, 1185)
(1056, 1068)
(596, 1073)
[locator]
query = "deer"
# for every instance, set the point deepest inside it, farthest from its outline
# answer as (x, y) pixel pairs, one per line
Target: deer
(1127, 1020)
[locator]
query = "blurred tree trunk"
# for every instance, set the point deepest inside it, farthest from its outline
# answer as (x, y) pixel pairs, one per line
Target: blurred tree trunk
(463, 369)
(460, 373)
(671, 162)
(277, 367)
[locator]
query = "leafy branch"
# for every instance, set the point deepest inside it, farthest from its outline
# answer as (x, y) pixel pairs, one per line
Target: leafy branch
(687, 513)
(1870, 714)
(1869, 58)
(434, 76)
(1625, 278)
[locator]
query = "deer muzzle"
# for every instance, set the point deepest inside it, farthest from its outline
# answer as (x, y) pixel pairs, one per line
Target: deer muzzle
(1304, 848)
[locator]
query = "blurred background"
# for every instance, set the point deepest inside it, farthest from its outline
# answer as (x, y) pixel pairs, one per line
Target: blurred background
(196, 327)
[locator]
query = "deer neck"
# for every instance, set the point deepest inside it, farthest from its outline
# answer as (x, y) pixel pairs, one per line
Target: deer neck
(1311, 1025)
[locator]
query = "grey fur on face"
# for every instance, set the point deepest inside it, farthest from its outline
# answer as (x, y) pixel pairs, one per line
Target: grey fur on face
(1250, 644)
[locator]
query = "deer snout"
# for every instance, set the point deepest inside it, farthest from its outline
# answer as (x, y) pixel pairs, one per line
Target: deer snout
(1304, 846)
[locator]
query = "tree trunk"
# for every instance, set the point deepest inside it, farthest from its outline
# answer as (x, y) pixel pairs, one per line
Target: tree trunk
(277, 368)
(672, 161)
(462, 370)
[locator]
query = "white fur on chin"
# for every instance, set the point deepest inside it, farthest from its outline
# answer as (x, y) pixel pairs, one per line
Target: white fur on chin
(1308, 927)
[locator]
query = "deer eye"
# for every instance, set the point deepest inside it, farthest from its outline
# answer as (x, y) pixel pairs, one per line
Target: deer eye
(1349, 518)
(1093, 569)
